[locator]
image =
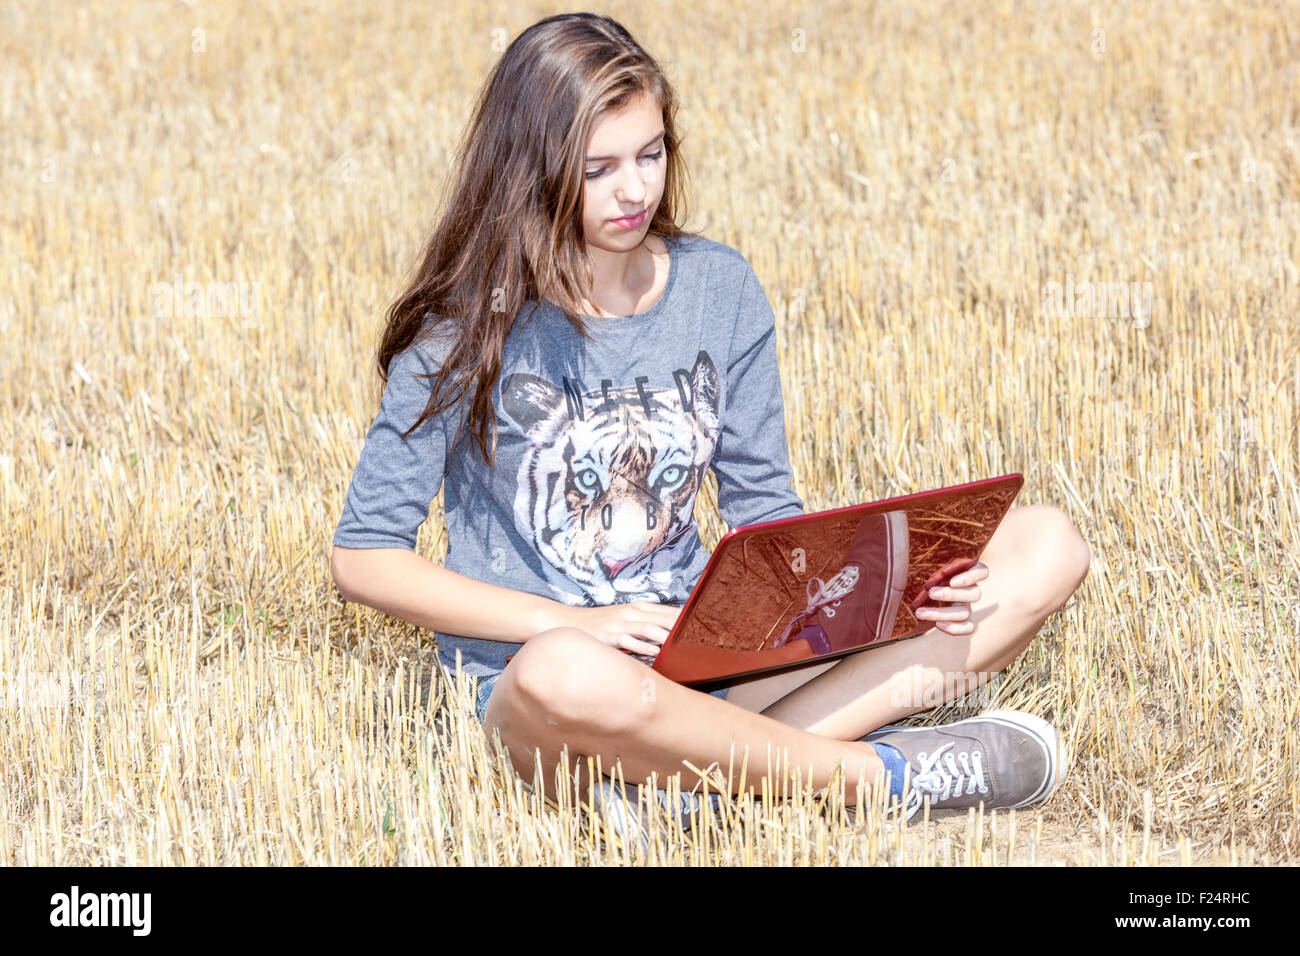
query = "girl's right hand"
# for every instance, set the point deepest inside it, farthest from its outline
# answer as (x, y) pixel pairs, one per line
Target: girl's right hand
(639, 627)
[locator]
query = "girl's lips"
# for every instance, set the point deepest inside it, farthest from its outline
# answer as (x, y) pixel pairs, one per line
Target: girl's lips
(631, 222)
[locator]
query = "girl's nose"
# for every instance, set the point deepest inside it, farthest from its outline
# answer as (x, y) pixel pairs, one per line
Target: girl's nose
(632, 189)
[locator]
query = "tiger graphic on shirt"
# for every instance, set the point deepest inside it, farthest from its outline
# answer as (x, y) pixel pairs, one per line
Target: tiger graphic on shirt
(607, 483)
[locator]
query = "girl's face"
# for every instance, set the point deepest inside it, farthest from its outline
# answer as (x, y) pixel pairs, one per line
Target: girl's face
(625, 165)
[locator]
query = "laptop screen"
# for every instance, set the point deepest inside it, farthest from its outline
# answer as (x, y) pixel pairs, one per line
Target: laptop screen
(829, 583)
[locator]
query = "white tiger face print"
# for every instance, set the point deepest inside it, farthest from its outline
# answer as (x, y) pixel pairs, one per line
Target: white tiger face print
(607, 486)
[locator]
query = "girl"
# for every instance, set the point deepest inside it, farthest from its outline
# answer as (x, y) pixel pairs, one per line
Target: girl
(616, 358)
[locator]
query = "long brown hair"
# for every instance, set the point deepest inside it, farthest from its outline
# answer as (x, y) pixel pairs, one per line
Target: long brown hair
(512, 226)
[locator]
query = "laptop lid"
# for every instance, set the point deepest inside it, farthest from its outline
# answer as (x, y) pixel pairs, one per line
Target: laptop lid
(830, 583)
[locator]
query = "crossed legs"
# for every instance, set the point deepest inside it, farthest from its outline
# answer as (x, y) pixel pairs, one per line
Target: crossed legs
(565, 688)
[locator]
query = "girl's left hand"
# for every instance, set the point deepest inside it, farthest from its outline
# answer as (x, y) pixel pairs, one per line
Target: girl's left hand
(962, 590)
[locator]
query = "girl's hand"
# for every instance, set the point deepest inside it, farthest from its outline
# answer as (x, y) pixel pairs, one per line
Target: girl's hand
(637, 626)
(962, 589)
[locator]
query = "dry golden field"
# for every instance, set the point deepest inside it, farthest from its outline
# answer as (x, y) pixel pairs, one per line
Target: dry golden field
(182, 683)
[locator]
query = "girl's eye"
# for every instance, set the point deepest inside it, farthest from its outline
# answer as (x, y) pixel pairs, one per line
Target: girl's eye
(600, 172)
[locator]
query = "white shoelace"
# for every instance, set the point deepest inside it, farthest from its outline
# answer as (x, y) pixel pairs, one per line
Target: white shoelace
(941, 779)
(821, 593)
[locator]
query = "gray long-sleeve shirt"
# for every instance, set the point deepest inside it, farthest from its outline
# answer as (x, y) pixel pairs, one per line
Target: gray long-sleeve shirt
(601, 448)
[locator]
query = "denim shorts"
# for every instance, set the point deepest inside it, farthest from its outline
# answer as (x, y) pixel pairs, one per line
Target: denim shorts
(485, 689)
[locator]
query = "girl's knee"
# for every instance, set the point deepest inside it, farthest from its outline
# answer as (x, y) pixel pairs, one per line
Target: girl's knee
(573, 679)
(1066, 549)
(1053, 554)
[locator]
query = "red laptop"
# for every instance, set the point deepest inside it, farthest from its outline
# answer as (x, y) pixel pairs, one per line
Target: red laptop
(827, 584)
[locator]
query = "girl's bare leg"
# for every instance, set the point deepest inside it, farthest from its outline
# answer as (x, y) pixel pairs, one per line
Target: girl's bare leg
(564, 687)
(573, 689)
(1036, 560)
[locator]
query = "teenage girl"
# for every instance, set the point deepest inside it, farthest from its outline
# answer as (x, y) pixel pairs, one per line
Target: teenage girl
(615, 359)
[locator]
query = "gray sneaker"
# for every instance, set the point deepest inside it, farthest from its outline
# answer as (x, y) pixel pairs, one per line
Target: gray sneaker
(1002, 759)
(627, 822)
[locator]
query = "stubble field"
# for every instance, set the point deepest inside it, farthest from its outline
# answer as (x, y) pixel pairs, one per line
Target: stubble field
(943, 206)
